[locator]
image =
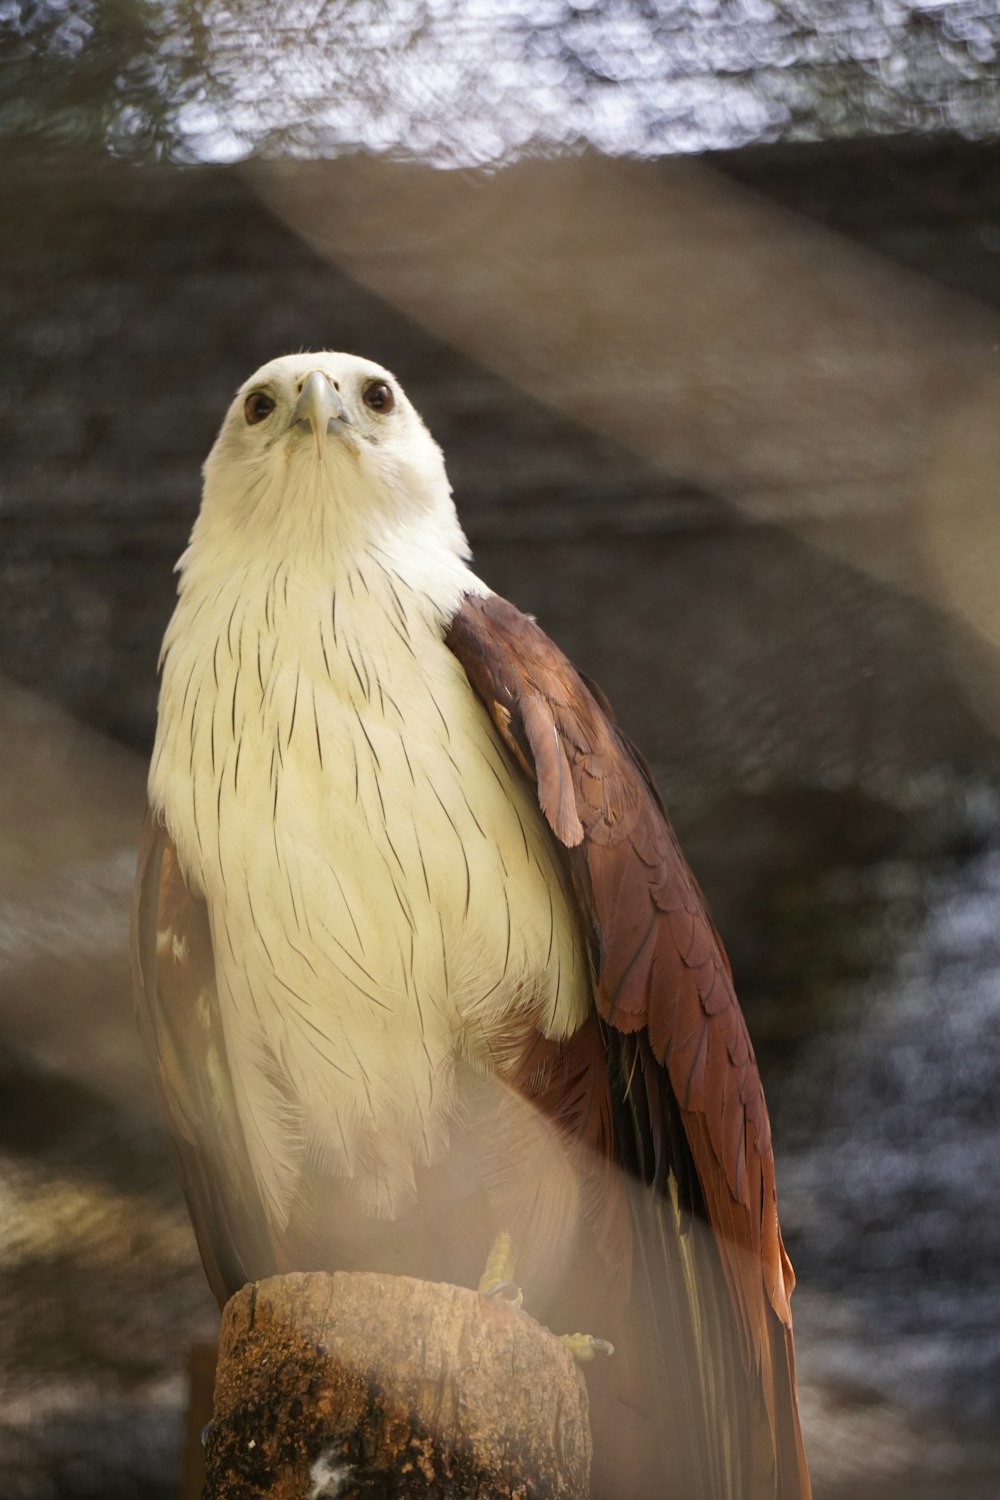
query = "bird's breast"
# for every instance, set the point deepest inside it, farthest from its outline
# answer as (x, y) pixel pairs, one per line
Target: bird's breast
(384, 898)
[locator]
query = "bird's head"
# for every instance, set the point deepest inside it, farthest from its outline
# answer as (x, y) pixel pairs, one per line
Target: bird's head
(324, 447)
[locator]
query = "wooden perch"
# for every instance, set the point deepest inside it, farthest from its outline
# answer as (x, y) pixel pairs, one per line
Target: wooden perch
(357, 1385)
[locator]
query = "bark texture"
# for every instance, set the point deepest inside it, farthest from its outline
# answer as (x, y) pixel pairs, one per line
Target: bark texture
(358, 1385)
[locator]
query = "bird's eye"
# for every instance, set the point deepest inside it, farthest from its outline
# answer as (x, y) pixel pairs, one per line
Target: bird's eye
(257, 406)
(377, 396)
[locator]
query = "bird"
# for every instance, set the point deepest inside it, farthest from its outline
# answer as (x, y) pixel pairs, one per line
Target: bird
(418, 959)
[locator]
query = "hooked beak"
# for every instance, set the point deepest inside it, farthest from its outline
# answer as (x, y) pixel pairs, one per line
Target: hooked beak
(320, 405)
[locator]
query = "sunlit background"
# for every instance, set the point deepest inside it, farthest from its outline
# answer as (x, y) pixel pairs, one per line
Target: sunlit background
(481, 82)
(701, 300)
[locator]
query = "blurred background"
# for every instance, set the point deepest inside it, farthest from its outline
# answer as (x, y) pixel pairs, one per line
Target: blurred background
(702, 299)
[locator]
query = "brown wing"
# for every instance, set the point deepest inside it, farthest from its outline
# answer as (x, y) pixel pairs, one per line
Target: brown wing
(691, 1118)
(173, 972)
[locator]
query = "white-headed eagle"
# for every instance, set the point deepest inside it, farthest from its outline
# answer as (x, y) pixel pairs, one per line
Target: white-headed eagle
(418, 957)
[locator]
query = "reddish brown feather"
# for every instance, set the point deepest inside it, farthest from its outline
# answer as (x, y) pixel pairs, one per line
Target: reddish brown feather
(660, 966)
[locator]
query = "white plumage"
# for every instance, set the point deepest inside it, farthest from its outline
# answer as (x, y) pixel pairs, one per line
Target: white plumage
(382, 893)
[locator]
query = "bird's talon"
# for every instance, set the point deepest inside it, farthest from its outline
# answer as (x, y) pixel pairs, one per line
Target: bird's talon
(508, 1290)
(499, 1272)
(585, 1347)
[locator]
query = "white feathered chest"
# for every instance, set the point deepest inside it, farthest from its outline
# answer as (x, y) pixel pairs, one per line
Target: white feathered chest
(382, 894)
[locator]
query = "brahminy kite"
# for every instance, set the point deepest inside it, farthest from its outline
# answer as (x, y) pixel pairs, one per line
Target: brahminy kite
(419, 960)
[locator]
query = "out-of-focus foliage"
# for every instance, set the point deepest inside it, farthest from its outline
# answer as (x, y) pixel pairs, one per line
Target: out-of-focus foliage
(480, 81)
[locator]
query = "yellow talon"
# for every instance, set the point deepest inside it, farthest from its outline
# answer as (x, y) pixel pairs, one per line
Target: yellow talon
(498, 1277)
(584, 1347)
(498, 1280)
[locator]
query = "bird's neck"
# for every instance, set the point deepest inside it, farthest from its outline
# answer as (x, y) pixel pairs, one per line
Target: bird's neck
(284, 585)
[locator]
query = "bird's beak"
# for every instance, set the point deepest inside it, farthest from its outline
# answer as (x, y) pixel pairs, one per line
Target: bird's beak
(320, 405)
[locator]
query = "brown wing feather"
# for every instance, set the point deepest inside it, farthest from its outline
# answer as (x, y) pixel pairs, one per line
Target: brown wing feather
(660, 971)
(173, 972)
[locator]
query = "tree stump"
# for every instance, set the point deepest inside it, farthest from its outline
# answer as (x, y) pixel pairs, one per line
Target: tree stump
(358, 1385)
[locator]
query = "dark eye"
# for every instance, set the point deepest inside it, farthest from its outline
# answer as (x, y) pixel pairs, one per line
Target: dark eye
(378, 396)
(257, 406)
